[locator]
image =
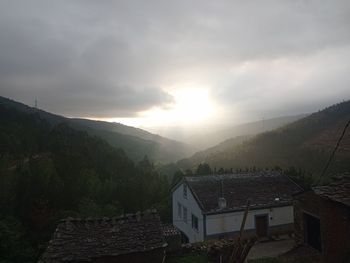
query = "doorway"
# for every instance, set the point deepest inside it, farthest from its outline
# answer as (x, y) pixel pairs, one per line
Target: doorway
(312, 232)
(261, 225)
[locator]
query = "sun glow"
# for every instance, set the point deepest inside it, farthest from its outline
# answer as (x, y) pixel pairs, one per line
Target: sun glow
(191, 106)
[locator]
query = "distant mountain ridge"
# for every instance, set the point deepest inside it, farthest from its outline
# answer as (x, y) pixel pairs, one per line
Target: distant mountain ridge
(305, 143)
(135, 142)
(211, 139)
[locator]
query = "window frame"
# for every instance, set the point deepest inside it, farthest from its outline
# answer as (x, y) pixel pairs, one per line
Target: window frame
(185, 214)
(179, 210)
(194, 219)
(185, 191)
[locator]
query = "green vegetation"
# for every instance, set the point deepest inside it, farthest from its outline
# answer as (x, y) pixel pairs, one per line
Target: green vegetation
(49, 172)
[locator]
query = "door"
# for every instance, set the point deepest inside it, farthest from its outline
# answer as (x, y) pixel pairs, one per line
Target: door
(312, 231)
(261, 225)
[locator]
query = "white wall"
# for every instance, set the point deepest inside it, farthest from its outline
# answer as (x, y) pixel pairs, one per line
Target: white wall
(192, 208)
(231, 222)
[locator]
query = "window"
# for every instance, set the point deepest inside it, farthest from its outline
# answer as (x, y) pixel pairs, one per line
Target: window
(179, 210)
(185, 214)
(194, 222)
(185, 191)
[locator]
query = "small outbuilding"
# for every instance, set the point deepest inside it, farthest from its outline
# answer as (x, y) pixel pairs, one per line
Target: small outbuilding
(131, 238)
(322, 220)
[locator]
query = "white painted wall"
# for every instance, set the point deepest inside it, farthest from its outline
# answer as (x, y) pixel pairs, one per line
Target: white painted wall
(231, 222)
(192, 208)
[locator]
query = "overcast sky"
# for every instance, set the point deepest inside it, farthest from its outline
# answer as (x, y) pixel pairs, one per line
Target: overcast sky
(239, 60)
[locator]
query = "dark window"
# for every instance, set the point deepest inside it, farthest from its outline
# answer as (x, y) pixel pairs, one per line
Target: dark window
(179, 210)
(185, 214)
(194, 222)
(185, 191)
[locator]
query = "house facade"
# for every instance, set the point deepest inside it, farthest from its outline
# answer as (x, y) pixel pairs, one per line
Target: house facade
(206, 207)
(322, 220)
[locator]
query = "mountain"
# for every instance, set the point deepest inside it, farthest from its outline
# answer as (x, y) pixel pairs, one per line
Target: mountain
(52, 171)
(306, 143)
(210, 139)
(135, 142)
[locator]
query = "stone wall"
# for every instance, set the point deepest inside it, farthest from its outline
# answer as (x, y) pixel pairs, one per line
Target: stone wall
(216, 250)
(334, 225)
(155, 255)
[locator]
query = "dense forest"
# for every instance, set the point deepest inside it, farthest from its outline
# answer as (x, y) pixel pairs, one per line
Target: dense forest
(49, 172)
(135, 142)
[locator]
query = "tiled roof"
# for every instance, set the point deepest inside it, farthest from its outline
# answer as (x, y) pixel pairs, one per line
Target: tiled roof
(84, 240)
(338, 191)
(263, 189)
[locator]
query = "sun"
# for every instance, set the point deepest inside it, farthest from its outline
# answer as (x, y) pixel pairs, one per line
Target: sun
(191, 106)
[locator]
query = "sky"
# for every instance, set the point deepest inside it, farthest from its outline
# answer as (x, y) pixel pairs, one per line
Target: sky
(175, 63)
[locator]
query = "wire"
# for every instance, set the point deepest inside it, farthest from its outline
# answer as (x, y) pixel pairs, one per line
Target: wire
(334, 150)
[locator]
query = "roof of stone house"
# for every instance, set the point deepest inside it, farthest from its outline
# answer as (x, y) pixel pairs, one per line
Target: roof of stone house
(263, 189)
(338, 191)
(84, 240)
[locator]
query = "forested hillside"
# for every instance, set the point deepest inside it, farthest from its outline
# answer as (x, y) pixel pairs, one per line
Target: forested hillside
(212, 138)
(305, 144)
(135, 142)
(49, 172)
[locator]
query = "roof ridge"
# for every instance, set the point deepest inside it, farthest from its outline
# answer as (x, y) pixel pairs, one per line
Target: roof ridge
(238, 175)
(139, 214)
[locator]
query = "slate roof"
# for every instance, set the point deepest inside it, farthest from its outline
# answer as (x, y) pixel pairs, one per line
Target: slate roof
(84, 240)
(263, 189)
(338, 191)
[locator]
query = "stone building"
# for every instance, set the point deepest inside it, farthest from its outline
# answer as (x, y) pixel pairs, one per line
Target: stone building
(132, 238)
(322, 220)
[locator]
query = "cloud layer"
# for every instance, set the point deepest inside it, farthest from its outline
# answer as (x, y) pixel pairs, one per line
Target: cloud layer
(119, 58)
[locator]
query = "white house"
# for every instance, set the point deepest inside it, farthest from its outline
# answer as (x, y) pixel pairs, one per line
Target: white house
(212, 206)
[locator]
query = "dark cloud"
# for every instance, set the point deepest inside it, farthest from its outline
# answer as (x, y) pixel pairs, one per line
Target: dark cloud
(118, 58)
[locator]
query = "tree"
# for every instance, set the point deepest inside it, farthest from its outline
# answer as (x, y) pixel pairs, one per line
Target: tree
(203, 169)
(178, 175)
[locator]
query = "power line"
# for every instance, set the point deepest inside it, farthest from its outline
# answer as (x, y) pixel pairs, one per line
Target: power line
(335, 149)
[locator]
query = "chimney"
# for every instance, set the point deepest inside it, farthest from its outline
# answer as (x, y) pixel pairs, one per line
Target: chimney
(222, 203)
